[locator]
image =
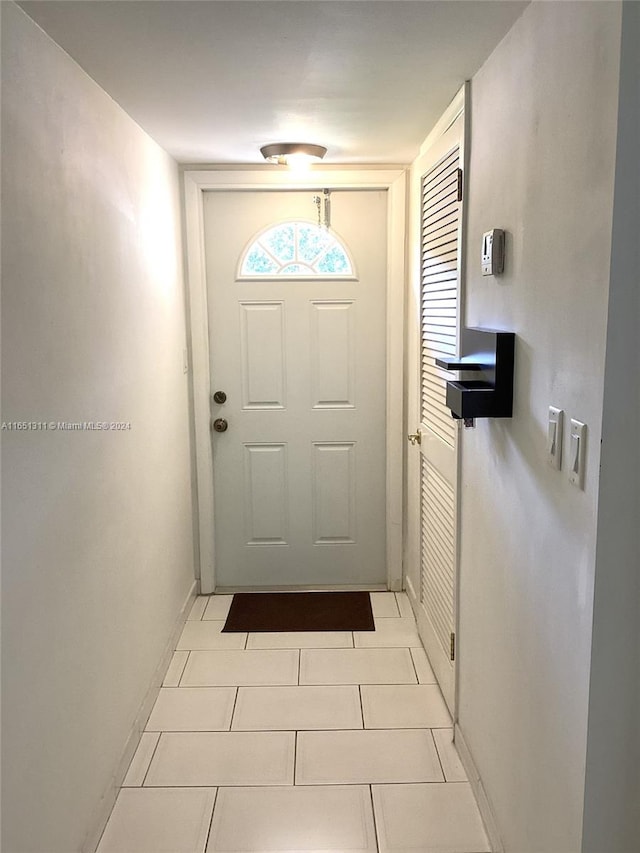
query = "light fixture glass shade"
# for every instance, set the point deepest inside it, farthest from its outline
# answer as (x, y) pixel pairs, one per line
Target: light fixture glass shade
(292, 153)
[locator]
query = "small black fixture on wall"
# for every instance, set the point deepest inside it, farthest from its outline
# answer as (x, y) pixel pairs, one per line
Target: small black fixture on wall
(489, 356)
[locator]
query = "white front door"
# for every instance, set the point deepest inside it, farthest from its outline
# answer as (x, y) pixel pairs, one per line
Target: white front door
(297, 345)
(433, 516)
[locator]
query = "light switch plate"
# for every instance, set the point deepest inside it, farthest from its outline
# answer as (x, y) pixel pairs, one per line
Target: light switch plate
(577, 446)
(493, 252)
(555, 423)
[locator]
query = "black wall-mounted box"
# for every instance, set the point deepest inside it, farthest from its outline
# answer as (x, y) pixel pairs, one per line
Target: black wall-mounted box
(487, 355)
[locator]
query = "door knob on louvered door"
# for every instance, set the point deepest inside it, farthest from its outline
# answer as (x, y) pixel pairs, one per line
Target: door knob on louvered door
(415, 437)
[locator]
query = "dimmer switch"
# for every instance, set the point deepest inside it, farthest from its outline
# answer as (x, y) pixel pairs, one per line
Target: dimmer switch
(577, 443)
(554, 437)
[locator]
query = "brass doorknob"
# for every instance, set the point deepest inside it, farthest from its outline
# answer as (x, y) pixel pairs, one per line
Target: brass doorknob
(415, 437)
(220, 425)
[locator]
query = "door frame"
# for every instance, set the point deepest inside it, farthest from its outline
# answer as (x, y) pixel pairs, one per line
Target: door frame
(196, 183)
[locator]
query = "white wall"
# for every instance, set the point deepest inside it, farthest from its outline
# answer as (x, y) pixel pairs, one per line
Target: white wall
(543, 133)
(612, 796)
(97, 537)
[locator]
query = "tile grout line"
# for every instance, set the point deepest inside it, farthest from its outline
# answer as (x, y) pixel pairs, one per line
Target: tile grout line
(186, 661)
(398, 604)
(153, 755)
(303, 785)
(295, 736)
(413, 664)
(215, 803)
(361, 705)
(444, 775)
(295, 756)
(233, 710)
(375, 822)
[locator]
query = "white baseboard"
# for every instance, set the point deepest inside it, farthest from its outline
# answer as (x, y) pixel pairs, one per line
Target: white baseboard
(318, 587)
(486, 811)
(102, 813)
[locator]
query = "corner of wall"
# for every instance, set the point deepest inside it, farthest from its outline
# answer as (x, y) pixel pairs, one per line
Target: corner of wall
(103, 812)
(97, 523)
(484, 805)
(612, 785)
(541, 168)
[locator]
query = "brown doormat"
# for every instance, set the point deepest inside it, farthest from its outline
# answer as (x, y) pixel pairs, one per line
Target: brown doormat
(262, 612)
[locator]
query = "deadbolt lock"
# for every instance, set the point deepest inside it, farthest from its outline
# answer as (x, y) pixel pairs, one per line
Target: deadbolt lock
(219, 397)
(220, 425)
(415, 437)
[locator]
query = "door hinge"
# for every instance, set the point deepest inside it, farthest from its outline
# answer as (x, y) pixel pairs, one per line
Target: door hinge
(459, 184)
(452, 648)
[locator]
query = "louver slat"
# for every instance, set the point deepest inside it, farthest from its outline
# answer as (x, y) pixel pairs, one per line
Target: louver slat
(440, 172)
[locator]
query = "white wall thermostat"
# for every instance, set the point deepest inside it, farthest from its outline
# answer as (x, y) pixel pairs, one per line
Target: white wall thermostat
(493, 252)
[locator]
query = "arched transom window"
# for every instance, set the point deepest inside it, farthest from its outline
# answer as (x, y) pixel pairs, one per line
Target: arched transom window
(296, 250)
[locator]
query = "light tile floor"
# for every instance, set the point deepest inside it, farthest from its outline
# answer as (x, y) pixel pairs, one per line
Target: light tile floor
(284, 743)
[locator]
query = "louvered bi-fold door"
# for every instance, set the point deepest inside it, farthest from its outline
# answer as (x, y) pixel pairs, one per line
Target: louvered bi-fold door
(441, 194)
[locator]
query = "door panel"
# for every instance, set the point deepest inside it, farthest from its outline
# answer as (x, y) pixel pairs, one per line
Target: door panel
(262, 331)
(334, 494)
(434, 315)
(265, 494)
(440, 274)
(333, 368)
(299, 476)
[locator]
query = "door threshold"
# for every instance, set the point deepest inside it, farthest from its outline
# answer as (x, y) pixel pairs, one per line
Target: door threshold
(351, 587)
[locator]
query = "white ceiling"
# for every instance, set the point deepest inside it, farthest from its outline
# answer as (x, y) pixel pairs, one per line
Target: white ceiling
(213, 80)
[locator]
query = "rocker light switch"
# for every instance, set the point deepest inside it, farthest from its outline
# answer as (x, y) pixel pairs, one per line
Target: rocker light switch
(554, 437)
(577, 441)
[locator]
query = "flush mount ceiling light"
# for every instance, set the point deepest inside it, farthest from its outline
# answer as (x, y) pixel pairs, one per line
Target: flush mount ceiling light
(292, 153)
